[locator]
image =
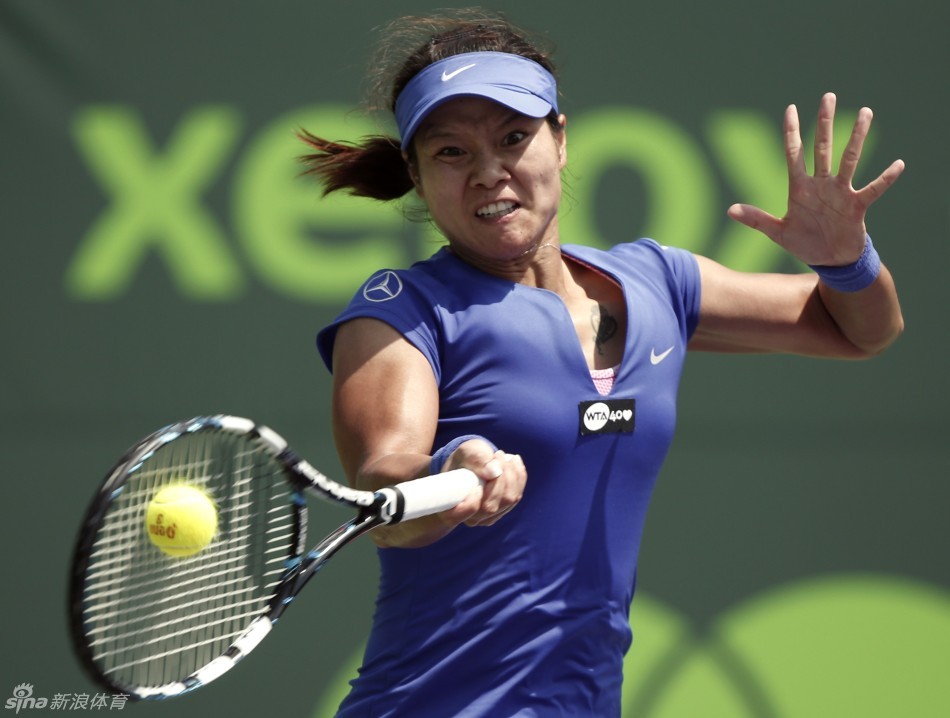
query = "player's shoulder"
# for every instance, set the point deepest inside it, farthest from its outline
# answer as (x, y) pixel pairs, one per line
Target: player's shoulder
(387, 285)
(648, 249)
(644, 255)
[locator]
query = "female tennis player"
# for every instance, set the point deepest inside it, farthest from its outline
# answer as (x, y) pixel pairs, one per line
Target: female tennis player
(548, 368)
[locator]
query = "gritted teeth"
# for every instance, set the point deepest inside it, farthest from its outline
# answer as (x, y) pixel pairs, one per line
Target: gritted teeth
(497, 209)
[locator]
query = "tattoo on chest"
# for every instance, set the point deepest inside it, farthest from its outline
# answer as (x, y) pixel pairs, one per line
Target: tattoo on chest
(605, 327)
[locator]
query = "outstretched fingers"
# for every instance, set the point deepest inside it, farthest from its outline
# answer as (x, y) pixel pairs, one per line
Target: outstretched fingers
(824, 133)
(757, 219)
(852, 152)
(824, 221)
(872, 192)
(794, 147)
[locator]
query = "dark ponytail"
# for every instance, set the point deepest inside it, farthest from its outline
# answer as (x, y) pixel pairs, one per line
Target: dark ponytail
(375, 166)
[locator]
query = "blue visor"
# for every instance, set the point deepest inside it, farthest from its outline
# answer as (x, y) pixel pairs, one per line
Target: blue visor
(511, 80)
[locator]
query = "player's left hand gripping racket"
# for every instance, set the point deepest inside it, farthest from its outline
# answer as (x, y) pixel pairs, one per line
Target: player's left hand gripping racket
(154, 626)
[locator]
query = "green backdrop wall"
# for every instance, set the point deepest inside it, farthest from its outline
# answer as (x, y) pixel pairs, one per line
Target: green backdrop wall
(160, 259)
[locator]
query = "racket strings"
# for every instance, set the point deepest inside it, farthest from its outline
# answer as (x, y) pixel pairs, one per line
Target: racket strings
(222, 563)
(173, 667)
(113, 611)
(152, 619)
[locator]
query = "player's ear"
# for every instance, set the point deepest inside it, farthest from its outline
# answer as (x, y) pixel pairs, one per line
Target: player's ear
(560, 137)
(413, 170)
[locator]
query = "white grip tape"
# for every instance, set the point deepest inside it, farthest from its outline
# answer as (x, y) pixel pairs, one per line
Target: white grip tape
(435, 493)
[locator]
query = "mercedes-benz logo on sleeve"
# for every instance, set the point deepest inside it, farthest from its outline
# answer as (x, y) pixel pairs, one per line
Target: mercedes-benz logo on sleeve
(383, 287)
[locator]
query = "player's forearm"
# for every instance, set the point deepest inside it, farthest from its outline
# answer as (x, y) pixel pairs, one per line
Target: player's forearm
(869, 319)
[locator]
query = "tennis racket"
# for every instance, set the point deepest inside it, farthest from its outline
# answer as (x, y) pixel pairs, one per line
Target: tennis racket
(153, 626)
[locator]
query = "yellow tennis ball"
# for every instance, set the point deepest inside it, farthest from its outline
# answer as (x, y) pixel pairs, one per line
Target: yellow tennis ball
(181, 520)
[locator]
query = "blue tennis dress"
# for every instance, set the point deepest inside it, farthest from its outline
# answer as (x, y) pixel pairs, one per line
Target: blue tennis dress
(528, 617)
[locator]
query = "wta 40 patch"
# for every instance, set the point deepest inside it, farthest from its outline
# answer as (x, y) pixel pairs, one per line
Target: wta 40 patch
(612, 416)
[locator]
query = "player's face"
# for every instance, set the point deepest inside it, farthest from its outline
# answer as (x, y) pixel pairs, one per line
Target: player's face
(490, 178)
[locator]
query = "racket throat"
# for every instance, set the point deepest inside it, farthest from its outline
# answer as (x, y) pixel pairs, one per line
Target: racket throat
(389, 505)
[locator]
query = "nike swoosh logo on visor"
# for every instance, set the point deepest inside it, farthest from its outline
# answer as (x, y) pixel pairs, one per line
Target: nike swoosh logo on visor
(446, 76)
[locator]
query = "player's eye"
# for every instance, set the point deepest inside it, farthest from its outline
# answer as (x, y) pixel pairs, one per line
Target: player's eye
(514, 138)
(449, 152)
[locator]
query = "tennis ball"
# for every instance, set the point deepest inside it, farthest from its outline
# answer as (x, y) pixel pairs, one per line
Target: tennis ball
(181, 520)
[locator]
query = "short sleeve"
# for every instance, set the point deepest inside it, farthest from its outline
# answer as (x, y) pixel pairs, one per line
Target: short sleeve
(396, 298)
(685, 272)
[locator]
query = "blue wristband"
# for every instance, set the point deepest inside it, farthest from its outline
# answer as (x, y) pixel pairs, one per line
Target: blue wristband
(852, 277)
(441, 455)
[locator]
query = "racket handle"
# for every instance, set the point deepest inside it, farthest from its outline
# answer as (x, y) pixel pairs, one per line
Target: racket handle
(431, 494)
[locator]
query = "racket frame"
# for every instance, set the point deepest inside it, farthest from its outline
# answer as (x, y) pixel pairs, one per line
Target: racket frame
(374, 508)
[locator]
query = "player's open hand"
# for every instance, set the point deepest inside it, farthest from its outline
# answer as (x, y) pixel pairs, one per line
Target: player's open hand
(824, 224)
